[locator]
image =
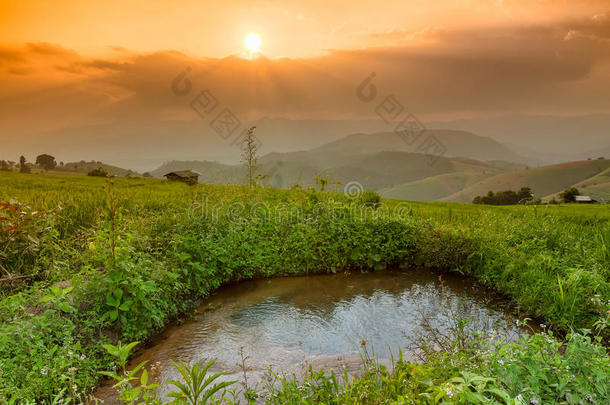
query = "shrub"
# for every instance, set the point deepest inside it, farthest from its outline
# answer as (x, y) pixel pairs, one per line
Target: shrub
(569, 195)
(99, 172)
(370, 198)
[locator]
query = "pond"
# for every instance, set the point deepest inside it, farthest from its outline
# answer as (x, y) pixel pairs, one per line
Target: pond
(289, 323)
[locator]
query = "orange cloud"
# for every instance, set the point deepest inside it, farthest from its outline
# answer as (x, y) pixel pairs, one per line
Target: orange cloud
(51, 93)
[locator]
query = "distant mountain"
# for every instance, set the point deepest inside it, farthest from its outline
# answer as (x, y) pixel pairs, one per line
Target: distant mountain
(551, 138)
(456, 144)
(543, 180)
(142, 144)
(378, 161)
(375, 171)
(595, 153)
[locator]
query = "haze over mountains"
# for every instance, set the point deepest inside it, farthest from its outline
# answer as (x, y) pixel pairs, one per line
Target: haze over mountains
(143, 145)
(471, 166)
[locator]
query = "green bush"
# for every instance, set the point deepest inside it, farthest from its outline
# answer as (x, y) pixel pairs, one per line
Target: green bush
(370, 198)
(99, 172)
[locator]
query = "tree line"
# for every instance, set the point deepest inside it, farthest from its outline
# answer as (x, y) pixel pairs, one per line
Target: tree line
(508, 197)
(44, 161)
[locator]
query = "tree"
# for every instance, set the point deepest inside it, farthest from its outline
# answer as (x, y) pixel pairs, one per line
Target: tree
(99, 172)
(45, 161)
(23, 166)
(524, 194)
(249, 155)
(507, 197)
(569, 195)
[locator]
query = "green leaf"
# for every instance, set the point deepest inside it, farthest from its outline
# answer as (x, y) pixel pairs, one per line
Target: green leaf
(113, 315)
(118, 294)
(144, 377)
(110, 300)
(126, 305)
(65, 306)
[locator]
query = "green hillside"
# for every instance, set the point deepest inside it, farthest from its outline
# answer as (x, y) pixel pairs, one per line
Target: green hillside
(597, 187)
(434, 187)
(543, 180)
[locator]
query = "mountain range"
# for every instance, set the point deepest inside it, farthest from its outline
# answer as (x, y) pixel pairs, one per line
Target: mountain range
(471, 165)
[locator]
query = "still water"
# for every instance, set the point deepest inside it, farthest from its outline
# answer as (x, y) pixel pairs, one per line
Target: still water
(289, 323)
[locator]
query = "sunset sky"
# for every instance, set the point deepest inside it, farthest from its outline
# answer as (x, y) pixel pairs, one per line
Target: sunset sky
(289, 28)
(70, 64)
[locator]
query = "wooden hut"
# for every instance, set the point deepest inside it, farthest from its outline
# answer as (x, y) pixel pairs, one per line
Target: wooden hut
(189, 177)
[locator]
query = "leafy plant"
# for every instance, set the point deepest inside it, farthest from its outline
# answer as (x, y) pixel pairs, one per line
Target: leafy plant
(196, 389)
(58, 296)
(127, 392)
(118, 305)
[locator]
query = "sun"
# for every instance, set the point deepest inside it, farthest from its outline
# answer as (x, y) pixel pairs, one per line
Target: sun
(253, 42)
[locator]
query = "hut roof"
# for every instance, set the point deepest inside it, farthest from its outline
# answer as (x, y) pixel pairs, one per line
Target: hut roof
(583, 198)
(183, 173)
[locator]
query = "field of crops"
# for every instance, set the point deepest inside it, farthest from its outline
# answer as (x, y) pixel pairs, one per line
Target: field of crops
(87, 262)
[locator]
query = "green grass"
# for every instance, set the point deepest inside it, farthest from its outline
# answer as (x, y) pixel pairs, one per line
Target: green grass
(140, 252)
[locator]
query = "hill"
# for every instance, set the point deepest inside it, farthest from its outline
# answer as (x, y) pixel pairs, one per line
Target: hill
(597, 187)
(550, 138)
(377, 161)
(544, 180)
(83, 167)
(434, 187)
(376, 171)
(456, 143)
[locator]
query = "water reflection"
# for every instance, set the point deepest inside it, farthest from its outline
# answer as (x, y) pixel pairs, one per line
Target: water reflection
(286, 323)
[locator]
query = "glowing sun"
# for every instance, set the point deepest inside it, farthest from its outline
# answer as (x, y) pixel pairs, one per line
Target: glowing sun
(253, 42)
